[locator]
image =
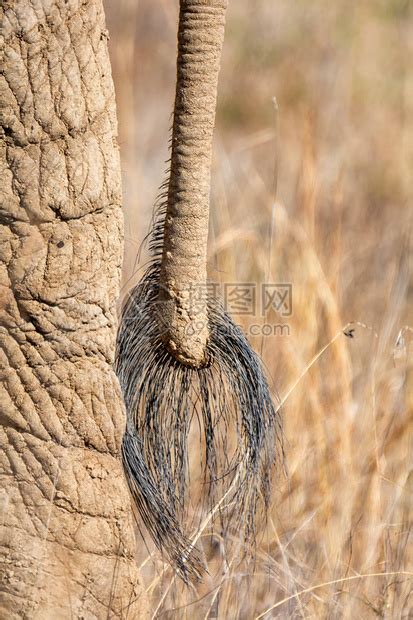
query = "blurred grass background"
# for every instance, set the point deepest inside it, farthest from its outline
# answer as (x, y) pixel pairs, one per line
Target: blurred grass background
(339, 228)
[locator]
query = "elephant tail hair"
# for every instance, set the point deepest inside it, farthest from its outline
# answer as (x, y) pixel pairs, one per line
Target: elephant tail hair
(155, 513)
(239, 438)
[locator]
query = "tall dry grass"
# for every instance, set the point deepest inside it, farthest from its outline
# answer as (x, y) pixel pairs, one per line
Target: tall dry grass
(338, 226)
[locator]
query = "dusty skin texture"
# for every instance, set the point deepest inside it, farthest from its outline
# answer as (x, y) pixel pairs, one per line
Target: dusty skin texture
(183, 309)
(67, 544)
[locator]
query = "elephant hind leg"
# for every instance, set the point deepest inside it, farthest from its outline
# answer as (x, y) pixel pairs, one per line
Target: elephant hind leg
(67, 548)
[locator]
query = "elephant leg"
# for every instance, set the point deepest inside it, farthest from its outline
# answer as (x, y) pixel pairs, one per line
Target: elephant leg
(67, 547)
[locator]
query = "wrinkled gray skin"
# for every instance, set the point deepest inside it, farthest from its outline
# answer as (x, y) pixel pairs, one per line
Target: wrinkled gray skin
(66, 545)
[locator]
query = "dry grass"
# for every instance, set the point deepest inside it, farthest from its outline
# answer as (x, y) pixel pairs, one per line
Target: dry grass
(339, 537)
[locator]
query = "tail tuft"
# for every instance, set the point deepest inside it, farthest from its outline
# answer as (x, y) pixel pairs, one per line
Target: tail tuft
(230, 398)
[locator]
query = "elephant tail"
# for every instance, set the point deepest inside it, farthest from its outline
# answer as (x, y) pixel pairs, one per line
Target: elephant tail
(239, 429)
